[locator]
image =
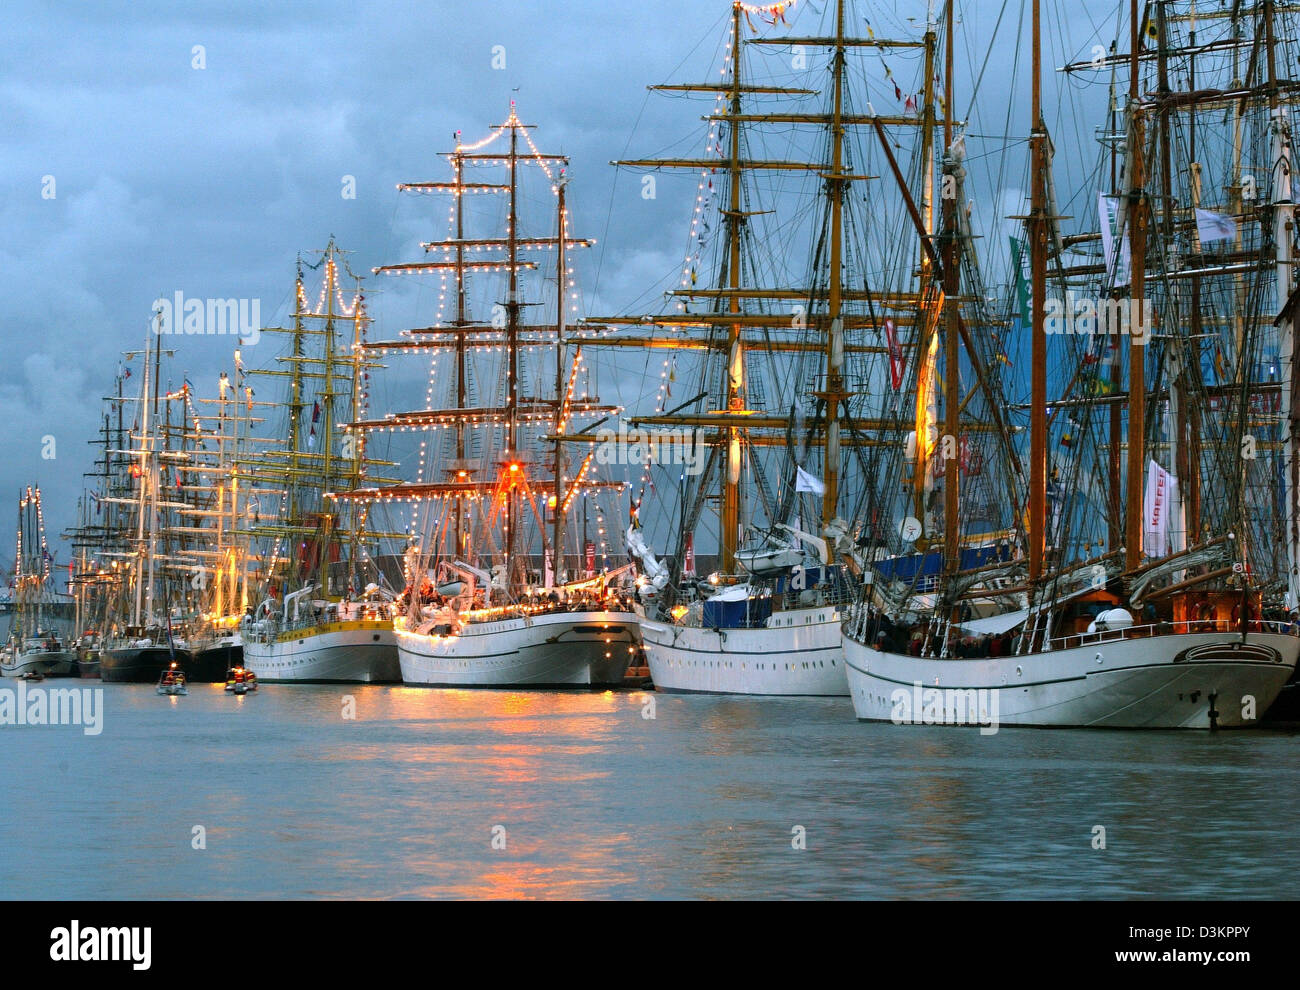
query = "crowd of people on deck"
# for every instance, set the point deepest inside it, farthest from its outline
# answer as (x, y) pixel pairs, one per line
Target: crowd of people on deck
(911, 640)
(593, 599)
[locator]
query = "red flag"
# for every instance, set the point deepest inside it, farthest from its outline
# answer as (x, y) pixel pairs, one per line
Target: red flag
(895, 355)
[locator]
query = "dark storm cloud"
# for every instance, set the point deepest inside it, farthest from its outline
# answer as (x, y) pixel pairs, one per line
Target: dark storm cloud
(211, 181)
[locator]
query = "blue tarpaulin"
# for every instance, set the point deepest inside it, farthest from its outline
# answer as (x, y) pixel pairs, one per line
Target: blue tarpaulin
(930, 564)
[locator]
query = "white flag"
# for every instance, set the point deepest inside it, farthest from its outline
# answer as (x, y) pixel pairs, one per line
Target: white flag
(1108, 209)
(805, 482)
(1157, 504)
(1215, 226)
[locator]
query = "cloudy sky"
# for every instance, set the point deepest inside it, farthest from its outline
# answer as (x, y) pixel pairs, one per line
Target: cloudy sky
(152, 147)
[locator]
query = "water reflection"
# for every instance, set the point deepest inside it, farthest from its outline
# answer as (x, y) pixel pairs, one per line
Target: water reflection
(709, 798)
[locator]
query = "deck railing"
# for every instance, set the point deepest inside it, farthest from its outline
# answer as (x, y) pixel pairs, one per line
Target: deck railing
(1187, 627)
(857, 621)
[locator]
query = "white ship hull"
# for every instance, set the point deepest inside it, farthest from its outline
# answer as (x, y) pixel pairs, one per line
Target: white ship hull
(553, 649)
(800, 652)
(52, 663)
(359, 652)
(1152, 682)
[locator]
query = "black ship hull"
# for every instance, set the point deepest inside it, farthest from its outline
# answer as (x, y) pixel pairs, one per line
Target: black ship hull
(210, 664)
(1286, 707)
(140, 664)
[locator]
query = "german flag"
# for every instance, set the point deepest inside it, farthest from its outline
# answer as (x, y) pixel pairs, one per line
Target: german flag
(1150, 37)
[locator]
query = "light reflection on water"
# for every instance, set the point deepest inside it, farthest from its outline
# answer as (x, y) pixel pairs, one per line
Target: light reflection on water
(597, 801)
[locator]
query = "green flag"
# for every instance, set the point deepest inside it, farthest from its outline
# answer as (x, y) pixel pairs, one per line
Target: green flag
(1022, 284)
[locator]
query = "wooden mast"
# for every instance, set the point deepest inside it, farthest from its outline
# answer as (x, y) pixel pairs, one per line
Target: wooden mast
(735, 422)
(1288, 357)
(137, 568)
(357, 444)
(1114, 412)
(1189, 431)
(1038, 284)
(729, 536)
(458, 166)
(951, 337)
(1137, 222)
(512, 347)
(733, 417)
(927, 145)
(561, 273)
(509, 486)
(834, 393)
(325, 403)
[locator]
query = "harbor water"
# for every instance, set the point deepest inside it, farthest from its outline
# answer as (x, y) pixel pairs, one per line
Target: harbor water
(624, 794)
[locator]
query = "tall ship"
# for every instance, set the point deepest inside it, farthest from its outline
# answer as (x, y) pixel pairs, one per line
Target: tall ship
(503, 587)
(101, 539)
(145, 632)
(321, 611)
(791, 291)
(1153, 563)
(219, 430)
(35, 646)
(194, 547)
(87, 586)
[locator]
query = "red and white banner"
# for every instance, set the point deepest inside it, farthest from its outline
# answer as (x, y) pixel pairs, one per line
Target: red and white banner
(1159, 502)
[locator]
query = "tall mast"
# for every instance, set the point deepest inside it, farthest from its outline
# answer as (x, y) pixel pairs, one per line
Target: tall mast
(1038, 335)
(1189, 427)
(299, 472)
(561, 273)
(1177, 356)
(325, 402)
(951, 287)
(510, 490)
(295, 398)
(735, 377)
(927, 142)
(1137, 286)
(145, 469)
(512, 345)
(458, 166)
(1114, 412)
(1288, 359)
(154, 474)
(512, 298)
(356, 469)
(835, 180)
